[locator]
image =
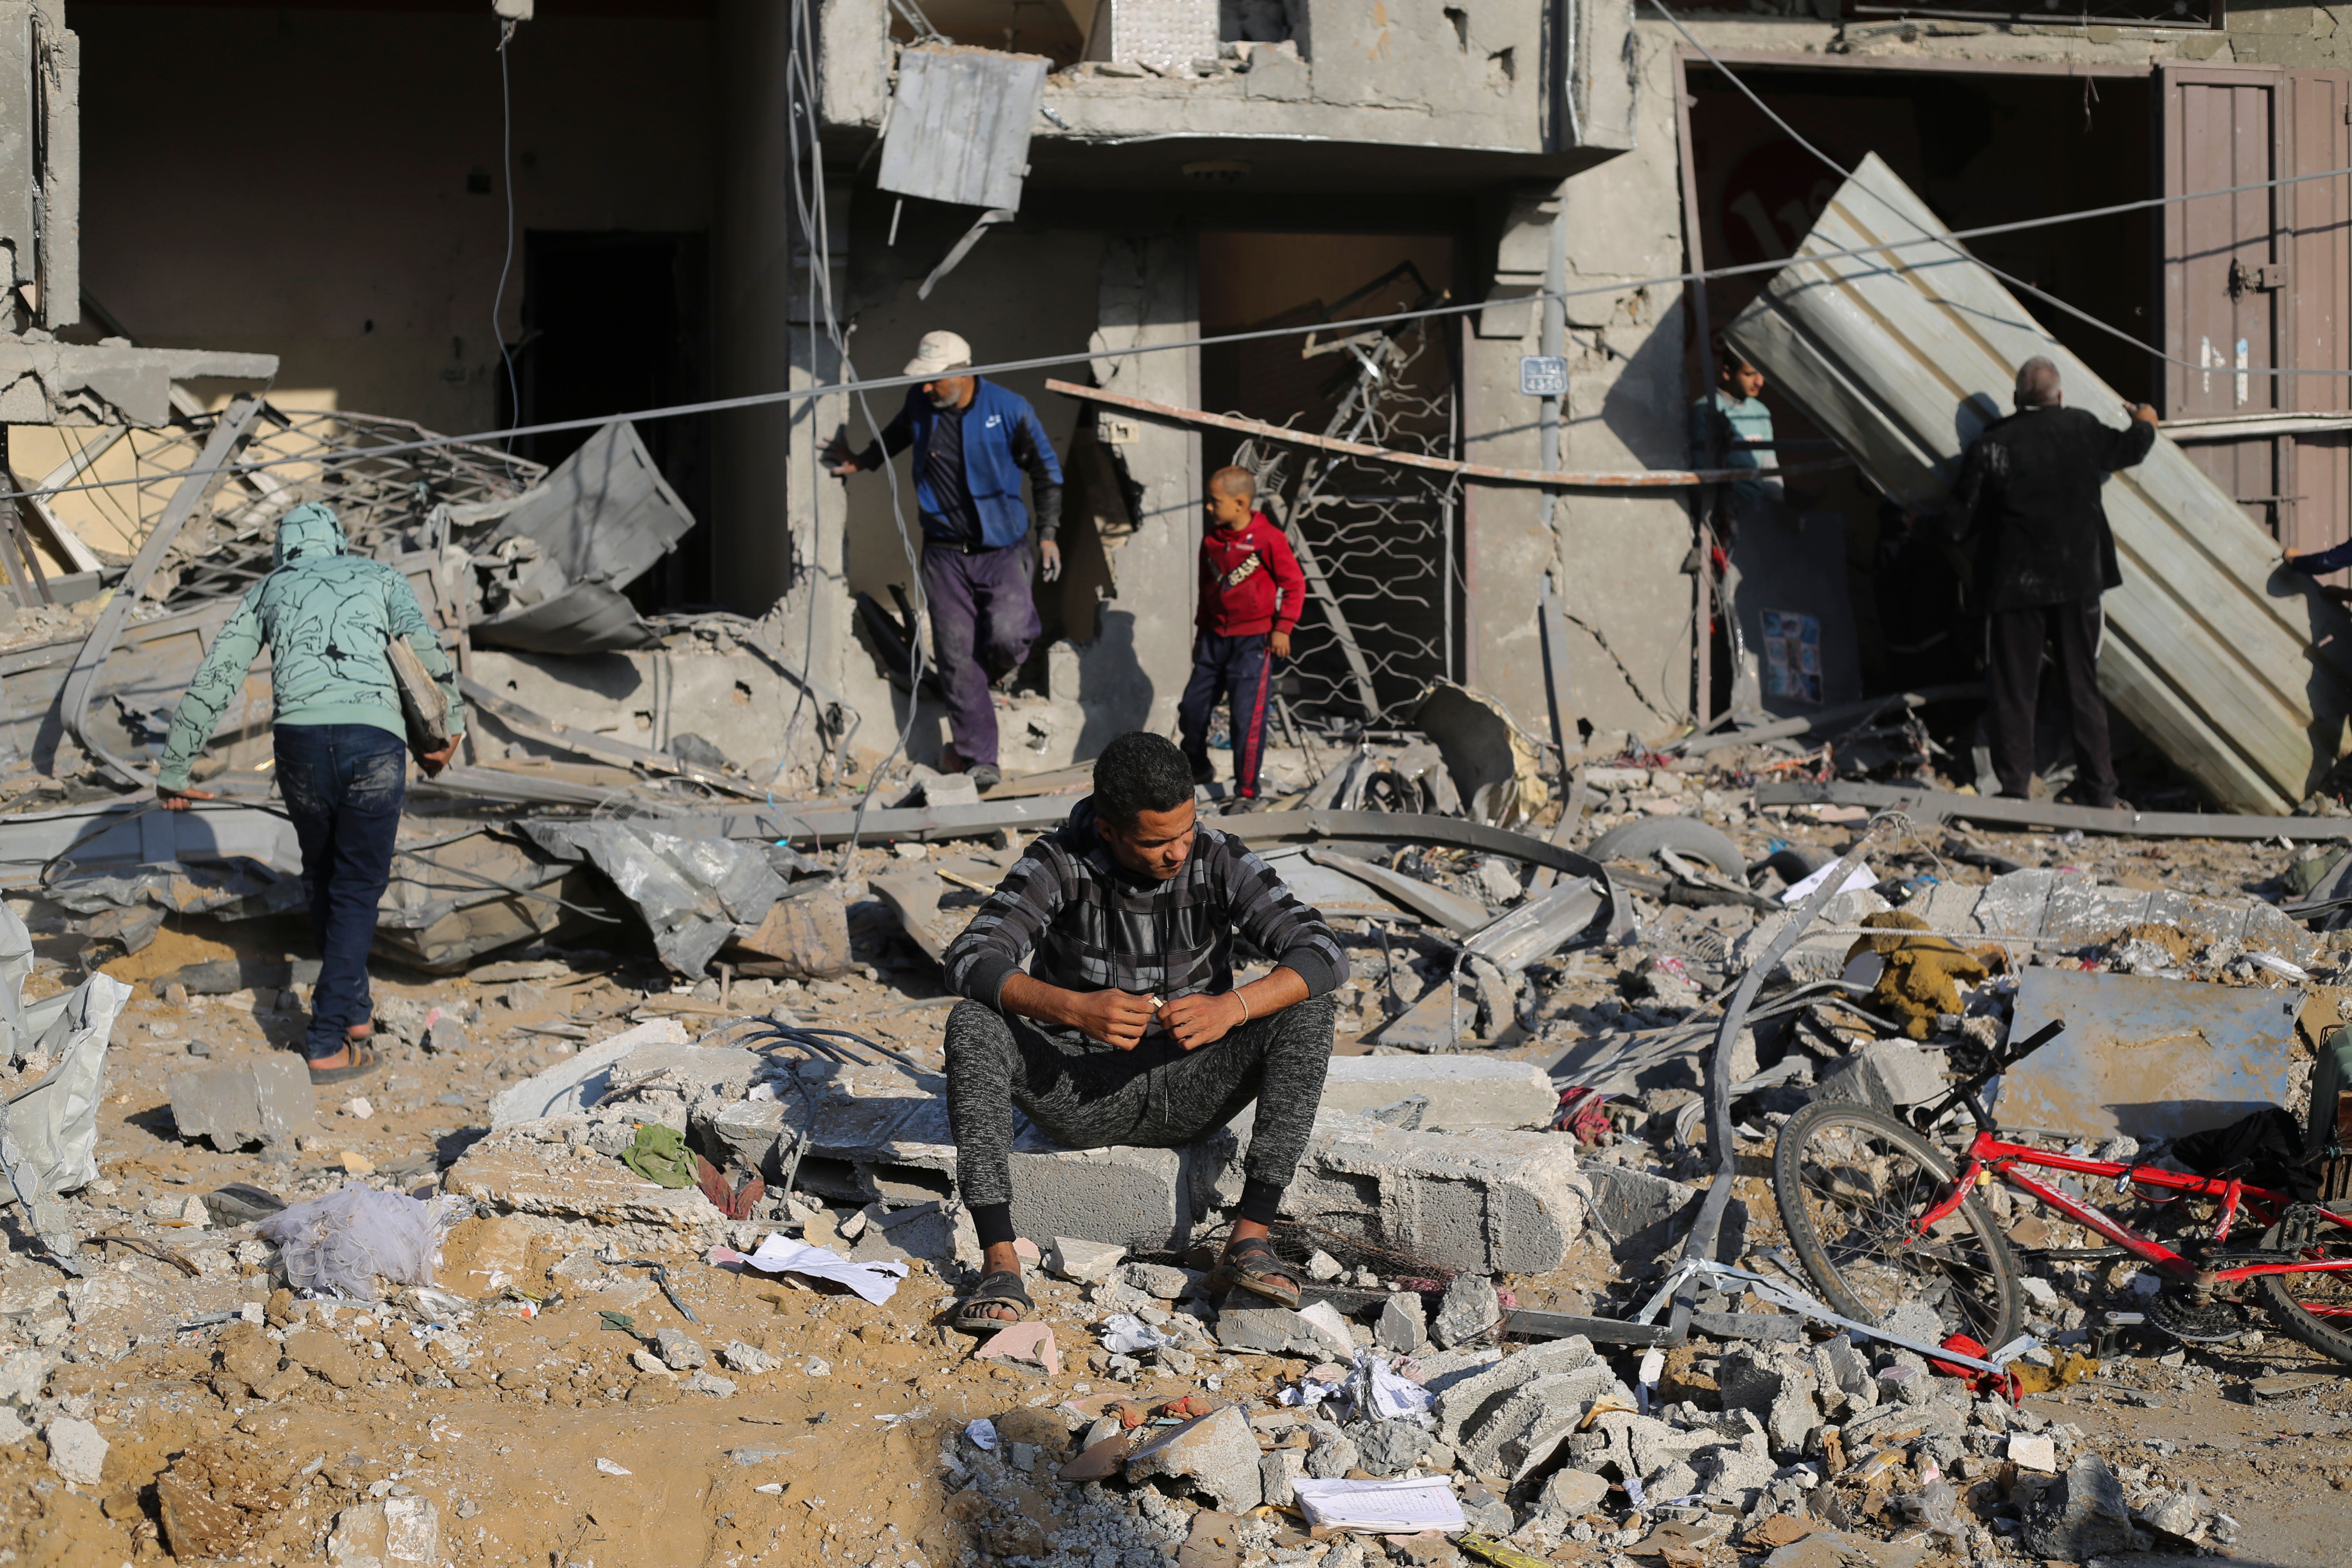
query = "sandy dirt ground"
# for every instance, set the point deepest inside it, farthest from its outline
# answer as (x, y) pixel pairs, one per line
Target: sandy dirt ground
(238, 1422)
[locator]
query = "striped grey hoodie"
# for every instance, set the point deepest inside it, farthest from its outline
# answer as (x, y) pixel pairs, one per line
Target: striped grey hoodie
(1094, 926)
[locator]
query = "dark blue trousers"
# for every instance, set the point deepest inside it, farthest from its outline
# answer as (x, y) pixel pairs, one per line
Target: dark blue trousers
(1241, 671)
(343, 786)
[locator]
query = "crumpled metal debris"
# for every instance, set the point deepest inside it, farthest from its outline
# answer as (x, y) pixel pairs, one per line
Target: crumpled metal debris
(692, 891)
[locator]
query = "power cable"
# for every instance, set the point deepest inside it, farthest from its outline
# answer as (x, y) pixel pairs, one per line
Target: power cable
(506, 184)
(816, 226)
(1087, 356)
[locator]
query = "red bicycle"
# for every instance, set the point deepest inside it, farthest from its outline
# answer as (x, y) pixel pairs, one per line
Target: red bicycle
(1876, 1214)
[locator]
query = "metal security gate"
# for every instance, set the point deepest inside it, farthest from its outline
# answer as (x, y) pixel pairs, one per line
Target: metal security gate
(2255, 283)
(1377, 541)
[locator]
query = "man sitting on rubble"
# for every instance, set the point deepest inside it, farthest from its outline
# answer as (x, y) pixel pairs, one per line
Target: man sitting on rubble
(1131, 1030)
(342, 745)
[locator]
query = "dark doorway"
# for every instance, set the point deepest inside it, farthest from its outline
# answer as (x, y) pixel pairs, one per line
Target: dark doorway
(614, 323)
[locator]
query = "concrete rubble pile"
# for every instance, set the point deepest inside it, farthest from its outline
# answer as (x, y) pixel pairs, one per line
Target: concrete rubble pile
(612, 1094)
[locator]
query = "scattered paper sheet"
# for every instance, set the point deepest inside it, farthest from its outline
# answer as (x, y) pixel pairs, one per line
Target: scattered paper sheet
(1388, 1508)
(1861, 877)
(982, 1434)
(877, 1282)
(1392, 1395)
(1126, 1334)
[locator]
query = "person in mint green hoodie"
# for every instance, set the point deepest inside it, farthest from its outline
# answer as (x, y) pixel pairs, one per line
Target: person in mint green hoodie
(342, 744)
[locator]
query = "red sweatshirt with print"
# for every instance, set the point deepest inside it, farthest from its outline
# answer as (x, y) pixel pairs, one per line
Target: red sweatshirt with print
(1250, 581)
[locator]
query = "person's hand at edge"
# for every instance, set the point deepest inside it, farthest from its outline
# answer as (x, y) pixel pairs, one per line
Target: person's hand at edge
(1280, 643)
(1049, 560)
(836, 456)
(434, 761)
(1202, 1019)
(2145, 412)
(181, 799)
(1114, 1017)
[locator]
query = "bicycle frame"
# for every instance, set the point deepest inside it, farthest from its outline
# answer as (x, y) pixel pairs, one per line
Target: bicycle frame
(1989, 1156)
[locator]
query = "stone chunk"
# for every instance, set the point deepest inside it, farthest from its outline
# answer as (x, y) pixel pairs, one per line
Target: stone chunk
(2040, 1453)
(1888, 1075)
(1469, 1311)
(1268, 1328)
(315, 1349)
(392, 1533)
(1329, 1329)
(76, 1450)
(737, 1356)
(2081, 1516)
(1216, 1453)
(1157, 1281)
(1567, 1497)
(679, 1350)
(267, 1100)
(1745, 1380)
(1401, 1328)
(1463, 1402)
(1389, 1447)
(1086, 1262)
(1522, 1432)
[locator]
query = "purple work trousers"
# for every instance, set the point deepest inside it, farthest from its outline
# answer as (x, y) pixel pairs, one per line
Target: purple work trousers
(983, 622)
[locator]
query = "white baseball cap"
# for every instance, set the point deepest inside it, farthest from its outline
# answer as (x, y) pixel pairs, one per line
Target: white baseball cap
(937, 354)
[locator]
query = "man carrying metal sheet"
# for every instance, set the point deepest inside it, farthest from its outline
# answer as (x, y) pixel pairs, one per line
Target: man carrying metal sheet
(973, 440)
(2029, 495)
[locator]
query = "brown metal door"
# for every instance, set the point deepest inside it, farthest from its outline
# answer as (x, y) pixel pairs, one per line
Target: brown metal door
(2257, 280)
(2319, 284)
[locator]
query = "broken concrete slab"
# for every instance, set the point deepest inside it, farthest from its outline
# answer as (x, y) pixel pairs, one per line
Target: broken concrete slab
(1270, 1328)
(2150, 1058)
(1887, 1076)
(1503, 1203)
(877, 1134)
(516, 1172)
(1840, 1548)
(1463, 1091)
(803, 937)
(1470, 1398)
(576, 1083)
(267, 1100)
(1216, 1454)
(1642, 1214)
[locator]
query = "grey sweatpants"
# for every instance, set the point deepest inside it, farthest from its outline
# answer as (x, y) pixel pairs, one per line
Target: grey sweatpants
(1087, 1095)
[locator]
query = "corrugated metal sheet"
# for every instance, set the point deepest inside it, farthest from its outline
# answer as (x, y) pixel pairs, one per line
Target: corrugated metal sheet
(960, 123)
(2239, 669)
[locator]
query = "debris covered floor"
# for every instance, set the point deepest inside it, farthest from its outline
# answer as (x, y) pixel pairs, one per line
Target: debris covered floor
(537, 1404)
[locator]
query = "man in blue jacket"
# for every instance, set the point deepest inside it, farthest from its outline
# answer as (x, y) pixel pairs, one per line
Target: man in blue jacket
(973, 440)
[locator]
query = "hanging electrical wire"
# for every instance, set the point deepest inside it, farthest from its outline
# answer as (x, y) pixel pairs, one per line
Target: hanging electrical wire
(1888, 250)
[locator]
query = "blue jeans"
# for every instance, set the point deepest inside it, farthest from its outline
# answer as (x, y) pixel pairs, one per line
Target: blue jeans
(343, 786)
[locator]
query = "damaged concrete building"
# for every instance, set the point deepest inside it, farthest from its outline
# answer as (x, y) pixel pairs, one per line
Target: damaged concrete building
(732, 199)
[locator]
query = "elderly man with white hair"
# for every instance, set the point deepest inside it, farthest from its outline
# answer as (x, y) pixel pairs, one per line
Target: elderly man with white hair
(2029, 495)
(973, 440)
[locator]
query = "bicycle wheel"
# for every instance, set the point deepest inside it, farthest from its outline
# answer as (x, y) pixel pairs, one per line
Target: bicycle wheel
(2316, 1308)
(1850, 1181)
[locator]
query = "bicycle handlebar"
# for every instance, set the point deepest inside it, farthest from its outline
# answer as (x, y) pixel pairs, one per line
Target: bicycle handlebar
(1927, 1114)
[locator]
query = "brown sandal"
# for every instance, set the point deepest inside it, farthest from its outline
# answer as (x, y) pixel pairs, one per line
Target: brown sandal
(364, 1059)
(1253, 1265)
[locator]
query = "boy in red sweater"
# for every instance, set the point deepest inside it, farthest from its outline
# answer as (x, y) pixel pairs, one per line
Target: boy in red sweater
(1251, 593)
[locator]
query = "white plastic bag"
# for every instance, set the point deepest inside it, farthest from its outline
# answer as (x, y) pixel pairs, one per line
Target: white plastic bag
(338, 1244)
